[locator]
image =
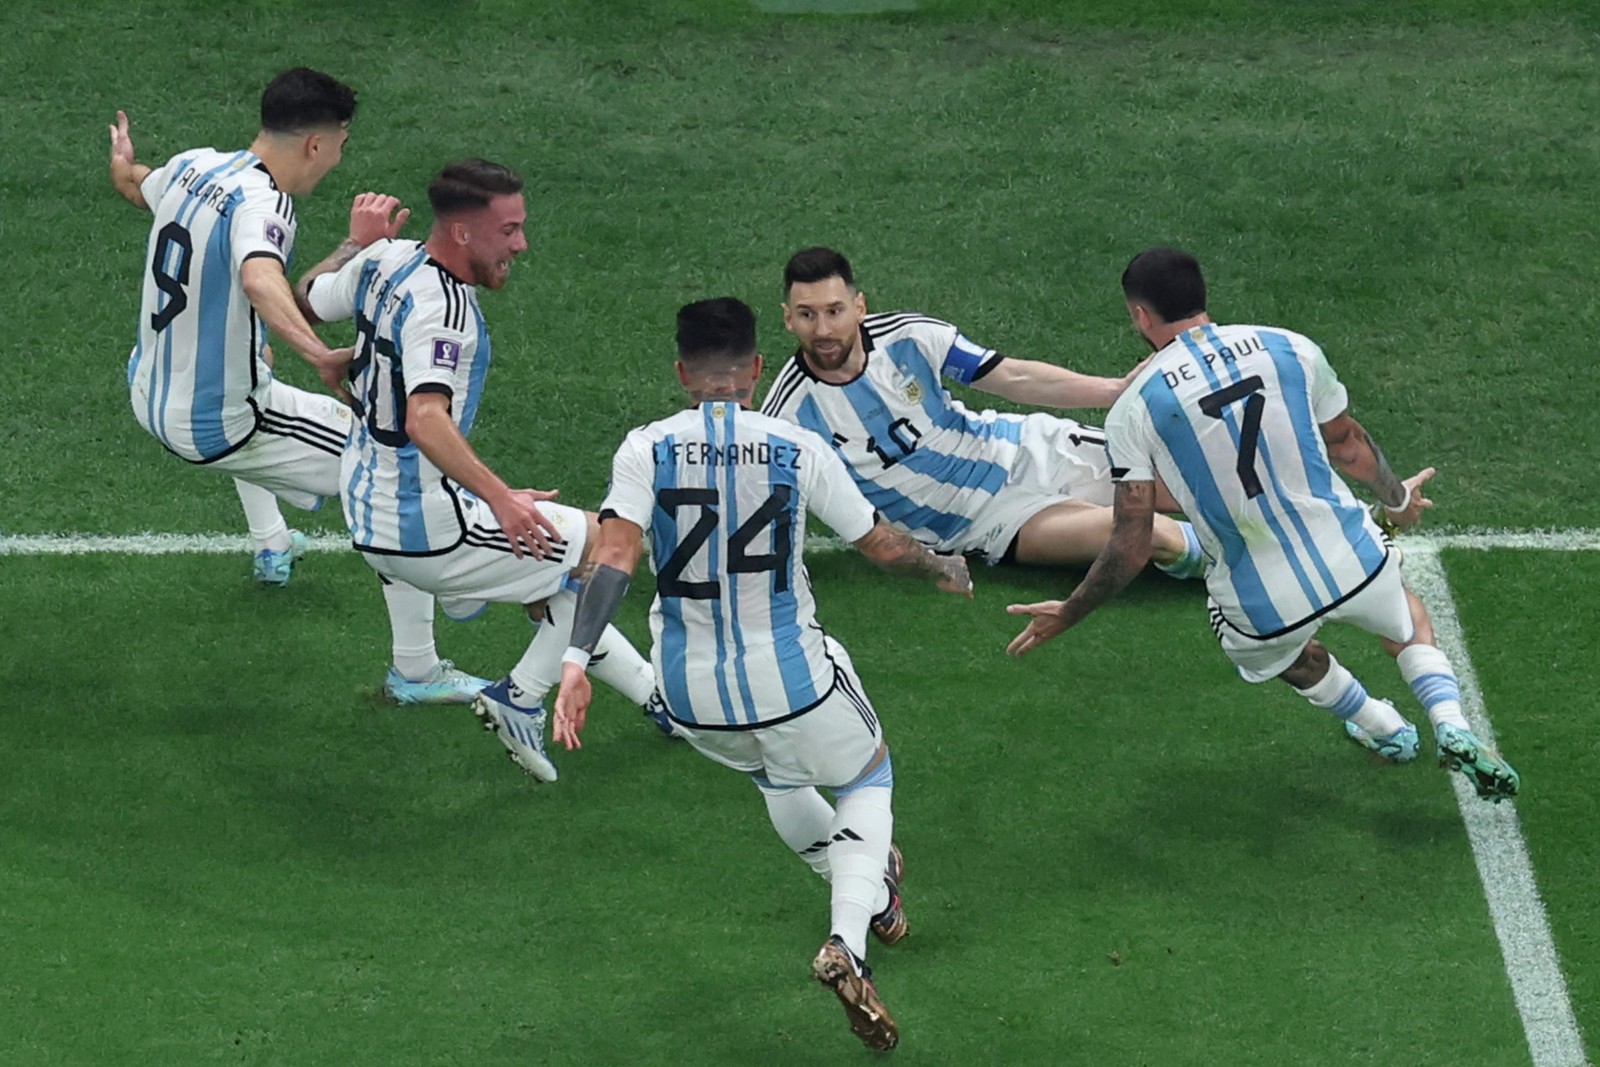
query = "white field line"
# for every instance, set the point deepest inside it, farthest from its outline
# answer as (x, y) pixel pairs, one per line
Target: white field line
(1517, 910)
(161, 544)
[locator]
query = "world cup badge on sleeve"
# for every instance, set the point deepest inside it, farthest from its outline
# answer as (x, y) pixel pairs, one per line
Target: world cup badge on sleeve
(446, 354)
(274, 233)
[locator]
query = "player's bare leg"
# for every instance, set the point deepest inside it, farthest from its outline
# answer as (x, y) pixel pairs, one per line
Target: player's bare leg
(1072, 533)
(1428, 672)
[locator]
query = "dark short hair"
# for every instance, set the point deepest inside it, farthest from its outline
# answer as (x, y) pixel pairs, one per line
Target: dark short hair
(723, 328)
(305, 99)
(1167, 281)
(468, 184)
(816, 265)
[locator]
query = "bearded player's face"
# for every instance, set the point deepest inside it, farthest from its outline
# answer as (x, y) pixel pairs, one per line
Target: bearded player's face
(825, 317)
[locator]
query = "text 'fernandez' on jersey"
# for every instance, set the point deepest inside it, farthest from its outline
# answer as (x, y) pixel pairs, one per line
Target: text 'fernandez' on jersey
(1229, 417)
(924, 460)
(196, 366)
(419, 329)
(722, 493)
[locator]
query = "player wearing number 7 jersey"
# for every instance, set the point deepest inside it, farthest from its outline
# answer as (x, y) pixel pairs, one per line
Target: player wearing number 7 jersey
(1249, 427)
(747, 672)
(200, 377)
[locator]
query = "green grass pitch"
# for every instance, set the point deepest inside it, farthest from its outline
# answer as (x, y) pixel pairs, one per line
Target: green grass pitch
(221, 847)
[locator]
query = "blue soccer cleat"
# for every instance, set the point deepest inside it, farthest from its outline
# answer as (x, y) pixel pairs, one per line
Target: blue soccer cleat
(442, 685)
(1460, 750)
(275, 568)
(520, 728)
(655, 709)
(1399, 747)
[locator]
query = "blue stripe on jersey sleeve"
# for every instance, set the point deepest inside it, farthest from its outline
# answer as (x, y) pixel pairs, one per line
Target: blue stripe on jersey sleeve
(1171, 424)
(1263, 502)
(1319, 473)
(211, 353)
(793, 666)
(963, 360)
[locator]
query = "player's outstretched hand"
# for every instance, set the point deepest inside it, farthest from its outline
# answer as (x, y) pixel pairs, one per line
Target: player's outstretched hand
(1045, 624)
(957, 578)
(524, 525)
(374, 216)
(572, 706)
(1411, 514)
(121, 141)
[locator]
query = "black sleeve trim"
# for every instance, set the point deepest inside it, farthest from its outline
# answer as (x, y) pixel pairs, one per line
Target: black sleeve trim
(608, 513)
(987, 365)
(269, 255)
(434, 387)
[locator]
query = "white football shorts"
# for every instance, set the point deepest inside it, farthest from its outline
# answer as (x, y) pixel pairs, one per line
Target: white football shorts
(1058, 460)
(1381, 608)
(295, 449)
(828, 746)
(467, 578)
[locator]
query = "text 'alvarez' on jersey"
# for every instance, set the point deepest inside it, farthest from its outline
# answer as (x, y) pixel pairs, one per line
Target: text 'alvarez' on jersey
(1229, 417)
(919, 455)
(723, 493)
(196, 366)
(418, 329)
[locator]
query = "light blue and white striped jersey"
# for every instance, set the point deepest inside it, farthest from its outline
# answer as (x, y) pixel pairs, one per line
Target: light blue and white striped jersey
(722, 493)
(925, 461)
(419, 329)
(1228, 416)
(196, 368)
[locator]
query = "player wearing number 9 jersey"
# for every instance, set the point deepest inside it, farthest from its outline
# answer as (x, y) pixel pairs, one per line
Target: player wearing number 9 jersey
(200, 379)
(747, 673)
(1249, 427)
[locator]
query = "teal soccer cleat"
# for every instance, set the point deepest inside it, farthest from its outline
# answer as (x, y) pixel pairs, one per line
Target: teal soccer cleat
(1460, 750)
(275, 568)
(442, 685)
(1399, 747)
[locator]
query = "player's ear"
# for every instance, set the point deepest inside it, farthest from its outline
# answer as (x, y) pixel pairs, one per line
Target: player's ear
(861, 303)
(683, 374)
(755, 368)
(788, 321)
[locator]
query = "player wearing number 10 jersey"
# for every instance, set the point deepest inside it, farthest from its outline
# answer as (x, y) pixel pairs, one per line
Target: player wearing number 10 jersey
(1249, 427)
(1025, 488)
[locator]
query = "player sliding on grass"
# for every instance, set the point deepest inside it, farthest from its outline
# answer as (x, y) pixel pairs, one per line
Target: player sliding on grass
(748, 675)
(1247, 425)
(421, 506)
(1016, 488)
(200, 376)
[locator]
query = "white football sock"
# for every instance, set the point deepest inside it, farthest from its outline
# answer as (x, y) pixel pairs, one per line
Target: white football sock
(1341, 693)
(1429, 674)
(804, 819)
(858, 850)
(261, 514)
(539, 669)
(411, 630)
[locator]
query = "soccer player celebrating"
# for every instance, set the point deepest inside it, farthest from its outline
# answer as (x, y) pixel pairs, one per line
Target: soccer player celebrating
(200, 375)
(422, 507)
(1016, 488)
(747, 674)
(1248, 424)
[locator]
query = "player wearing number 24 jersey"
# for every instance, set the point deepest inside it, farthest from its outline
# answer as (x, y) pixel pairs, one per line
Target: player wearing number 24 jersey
(749, 676)
(1250, 428)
